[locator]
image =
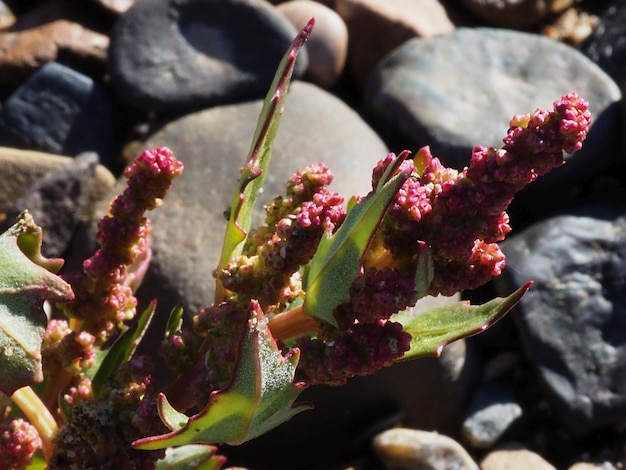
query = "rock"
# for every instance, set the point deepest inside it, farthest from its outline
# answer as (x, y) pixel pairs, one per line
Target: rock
(7, 18)
(62, 200)
(572, 26)
(516, 13)
(115, 6)
(376, 28)
(171, 55)
(327, 48)
(493, 411)
(59, 110)
(22, 168)
(607, 44)
(417, 99)
(571, 321)
(54, 31)
(411, 449)
(514, 456)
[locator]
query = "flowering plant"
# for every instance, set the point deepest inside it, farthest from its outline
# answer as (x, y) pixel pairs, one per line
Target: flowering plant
(319, 293)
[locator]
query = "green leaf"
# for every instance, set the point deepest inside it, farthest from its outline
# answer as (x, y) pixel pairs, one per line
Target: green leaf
(431, 331)
(25, 283)
(260, 397)
(123, 348)
(191, 457)
(174, 322)
(254, 171)
(339, 258)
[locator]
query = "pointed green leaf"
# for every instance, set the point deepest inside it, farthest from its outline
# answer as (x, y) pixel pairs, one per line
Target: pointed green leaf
(339, 258)
(431, 331)
(191, 457)
(254, 171)
(260, 397)
(175, 321)
(123, 348)
(25, 283)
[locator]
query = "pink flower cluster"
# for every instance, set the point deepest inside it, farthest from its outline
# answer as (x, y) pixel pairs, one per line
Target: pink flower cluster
(104, 290)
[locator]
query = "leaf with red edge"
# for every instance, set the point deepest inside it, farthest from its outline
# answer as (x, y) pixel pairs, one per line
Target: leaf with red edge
(254, 171)
(431, 331)
(260, 396)
(26, 281)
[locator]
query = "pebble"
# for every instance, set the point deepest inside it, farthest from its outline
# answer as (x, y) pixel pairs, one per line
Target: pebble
(63, 200)
(7, 17)
(492, 413)
(416, 96)
(116, 6)
(59, 110)
(327, 47)
(514, 456)
(51, 32)
(26, 167)
(214, 51)
(571, 320)
(515, 13)
(606, 45)
(376, 28)
(410, 449)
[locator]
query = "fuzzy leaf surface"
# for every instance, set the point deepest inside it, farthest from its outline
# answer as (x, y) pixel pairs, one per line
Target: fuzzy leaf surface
(433, 330)
(260, 396)
(25, 283)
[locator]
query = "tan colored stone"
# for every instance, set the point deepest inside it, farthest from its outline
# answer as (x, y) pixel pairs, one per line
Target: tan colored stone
(410, 449)
(44, 35)
(376, 27)
(328, 45)
(20, 168)
(116, 6)
(590, 466)
(514, 456)
(516, 14)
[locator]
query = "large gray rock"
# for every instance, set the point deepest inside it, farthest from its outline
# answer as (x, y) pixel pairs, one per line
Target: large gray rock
(573, 319)
(460, 90)
(177, 55)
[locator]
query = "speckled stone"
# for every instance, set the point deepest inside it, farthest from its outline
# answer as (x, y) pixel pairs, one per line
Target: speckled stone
(572, 320)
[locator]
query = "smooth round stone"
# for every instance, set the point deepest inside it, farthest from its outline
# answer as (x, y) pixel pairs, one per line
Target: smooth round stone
(460, 90)
(516, 13)
(327, 47)
(403, 449)
(168, 55)
(59, 110)
(376, 28)
(514, 456)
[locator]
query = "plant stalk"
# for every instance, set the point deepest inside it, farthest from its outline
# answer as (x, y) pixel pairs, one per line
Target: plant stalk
(39, 416)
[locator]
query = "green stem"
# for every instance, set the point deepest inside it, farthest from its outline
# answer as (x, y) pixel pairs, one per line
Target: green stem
(39, 416)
